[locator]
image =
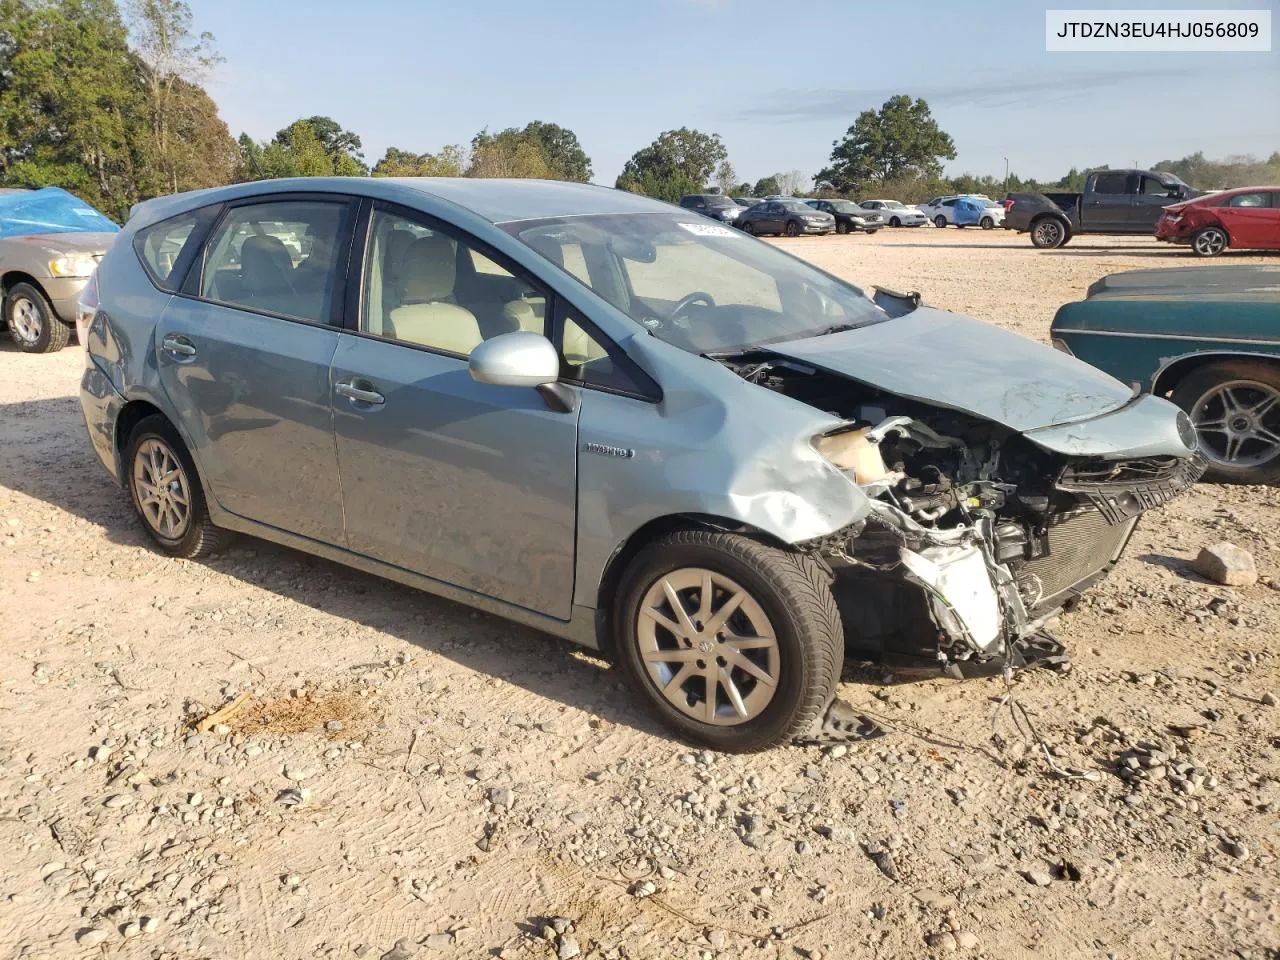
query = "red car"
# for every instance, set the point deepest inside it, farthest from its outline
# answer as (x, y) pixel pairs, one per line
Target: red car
(1246, 218)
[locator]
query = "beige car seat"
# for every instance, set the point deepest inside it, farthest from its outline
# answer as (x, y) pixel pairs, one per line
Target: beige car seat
(426, 316)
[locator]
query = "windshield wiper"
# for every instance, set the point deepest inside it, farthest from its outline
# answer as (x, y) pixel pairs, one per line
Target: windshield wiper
(836, 328)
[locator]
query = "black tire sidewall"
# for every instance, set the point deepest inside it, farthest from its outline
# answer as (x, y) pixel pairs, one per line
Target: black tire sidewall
(53, 335)
(987, 223)
(842, 228)
(1199, 382)
(657, 561)
(161, 429)
(941, 225)
(895, 222)
(792, 229)
(1059, 241)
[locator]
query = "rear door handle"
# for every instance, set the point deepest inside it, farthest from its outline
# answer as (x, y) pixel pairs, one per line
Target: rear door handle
(362, 394)
(178, 346)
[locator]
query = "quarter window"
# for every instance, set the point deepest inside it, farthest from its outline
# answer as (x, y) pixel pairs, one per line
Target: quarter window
(160, 245)
(589, 362)
(279, 257)
(427, 287)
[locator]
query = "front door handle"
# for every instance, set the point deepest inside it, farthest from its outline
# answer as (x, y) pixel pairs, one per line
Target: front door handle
(178, 346)
(366, 394)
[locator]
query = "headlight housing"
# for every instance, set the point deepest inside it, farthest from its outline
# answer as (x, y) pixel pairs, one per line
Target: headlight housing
(75, 265)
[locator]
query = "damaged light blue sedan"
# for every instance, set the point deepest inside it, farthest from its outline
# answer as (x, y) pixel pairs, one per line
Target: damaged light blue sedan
(616, 421)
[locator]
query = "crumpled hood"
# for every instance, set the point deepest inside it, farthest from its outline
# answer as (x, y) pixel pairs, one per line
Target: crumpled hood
(953, 361)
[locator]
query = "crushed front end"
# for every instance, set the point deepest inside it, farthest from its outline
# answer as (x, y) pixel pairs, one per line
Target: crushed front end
(977, 536)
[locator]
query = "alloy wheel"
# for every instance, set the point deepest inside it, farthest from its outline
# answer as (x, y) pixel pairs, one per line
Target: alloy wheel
(1211, 242)
(161, 489)
(708, 646)
(792, 230)
(1047, 233)
(25, 320)
(1239, 423)
(939, 221)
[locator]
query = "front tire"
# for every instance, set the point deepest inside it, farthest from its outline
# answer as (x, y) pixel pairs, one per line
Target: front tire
(792, 229)
(34, 326)
(1048, 234)
(1235, 408)
(895, 222)
(842, 228)
(166, 492)
(736, 644)
(987, 223)
(1209, 241)
(939, 221)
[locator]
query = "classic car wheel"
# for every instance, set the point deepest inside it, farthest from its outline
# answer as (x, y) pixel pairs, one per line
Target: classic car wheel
(842, 227)
(736, 644)
(1235, 408)
(166, 492)
(1209, 242)
(895, 222)
(792, 229)
(1048, 233)
(32, 323)
(939, 221)
(987, 223)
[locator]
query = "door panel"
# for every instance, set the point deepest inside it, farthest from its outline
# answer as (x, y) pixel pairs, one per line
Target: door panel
(1109, 209)
(1250, 221)
(253, 394)
(1152, 197)
(464, 482)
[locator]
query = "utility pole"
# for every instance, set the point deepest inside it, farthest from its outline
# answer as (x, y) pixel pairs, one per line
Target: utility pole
(1006, 176)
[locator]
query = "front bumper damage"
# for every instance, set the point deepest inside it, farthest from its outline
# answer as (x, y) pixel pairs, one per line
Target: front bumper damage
(983, 590)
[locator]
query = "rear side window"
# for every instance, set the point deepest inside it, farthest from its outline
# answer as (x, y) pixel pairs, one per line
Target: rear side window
(160, 245)
(1110, 183)
(1254, 200)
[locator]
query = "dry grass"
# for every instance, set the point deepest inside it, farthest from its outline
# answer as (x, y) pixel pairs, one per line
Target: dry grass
(310, 711)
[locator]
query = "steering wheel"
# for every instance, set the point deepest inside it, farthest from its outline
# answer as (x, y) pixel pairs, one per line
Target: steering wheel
(689, 300)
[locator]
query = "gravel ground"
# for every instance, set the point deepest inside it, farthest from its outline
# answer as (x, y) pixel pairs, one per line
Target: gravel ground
(407, 778)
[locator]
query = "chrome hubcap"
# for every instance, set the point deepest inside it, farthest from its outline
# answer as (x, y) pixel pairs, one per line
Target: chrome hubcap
(708, 646)
(1211, 242)
(26, 320)
(161, 487)
(1239, 423)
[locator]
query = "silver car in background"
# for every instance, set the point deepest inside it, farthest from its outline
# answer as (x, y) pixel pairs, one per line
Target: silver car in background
(896, 213)
(616, 421)
(50, 244)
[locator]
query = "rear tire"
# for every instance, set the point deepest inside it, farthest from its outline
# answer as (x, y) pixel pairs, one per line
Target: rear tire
(784, 615)
(166, 492)
(1048, 233)
(34, 326)
(1209, 241)
(1248, 383)
(939, 221)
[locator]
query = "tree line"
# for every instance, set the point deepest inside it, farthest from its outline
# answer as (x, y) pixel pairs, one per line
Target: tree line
(106, 100)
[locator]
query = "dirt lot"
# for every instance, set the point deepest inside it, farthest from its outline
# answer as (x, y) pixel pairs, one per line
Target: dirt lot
(409, 778)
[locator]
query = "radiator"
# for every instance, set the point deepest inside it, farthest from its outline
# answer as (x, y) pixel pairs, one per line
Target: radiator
(1081, 543)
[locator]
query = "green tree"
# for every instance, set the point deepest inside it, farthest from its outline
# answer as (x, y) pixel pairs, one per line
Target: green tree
(766, 187)
(564, 156)
(725, 177)
(901, 139)
(295, 151)
(449, 162)
(742, 190)
(70, 100)
(507, 153)
(678, 162)
(188, 146)
(342, 146)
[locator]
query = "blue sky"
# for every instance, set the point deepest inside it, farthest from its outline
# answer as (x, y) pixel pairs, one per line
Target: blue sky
(778, 81)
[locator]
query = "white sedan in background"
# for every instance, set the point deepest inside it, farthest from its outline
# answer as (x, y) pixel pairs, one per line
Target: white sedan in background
(895, 213)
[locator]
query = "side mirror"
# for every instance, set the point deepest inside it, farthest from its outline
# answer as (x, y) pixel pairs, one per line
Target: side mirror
(523, 359)
(519, 359)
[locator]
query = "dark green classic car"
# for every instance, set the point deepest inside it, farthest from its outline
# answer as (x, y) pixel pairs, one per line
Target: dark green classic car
(1206, 337)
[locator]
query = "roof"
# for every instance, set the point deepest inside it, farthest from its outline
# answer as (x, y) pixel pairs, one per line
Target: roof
(495, 200)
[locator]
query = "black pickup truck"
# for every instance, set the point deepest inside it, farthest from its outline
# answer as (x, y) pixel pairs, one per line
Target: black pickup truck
(1114, 201)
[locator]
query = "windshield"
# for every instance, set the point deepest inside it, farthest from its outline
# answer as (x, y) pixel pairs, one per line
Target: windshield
(845, 206)
(799, 205)
(719, 201)
(699, 286)
(893, 204)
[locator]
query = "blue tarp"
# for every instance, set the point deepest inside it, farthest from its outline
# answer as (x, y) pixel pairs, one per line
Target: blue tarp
(970, 210)
(49, 210)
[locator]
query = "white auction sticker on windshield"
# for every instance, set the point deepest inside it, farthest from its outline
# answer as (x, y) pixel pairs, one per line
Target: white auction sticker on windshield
(707, 229)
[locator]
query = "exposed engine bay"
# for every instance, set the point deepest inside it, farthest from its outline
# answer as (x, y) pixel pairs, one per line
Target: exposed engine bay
(976, 536)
